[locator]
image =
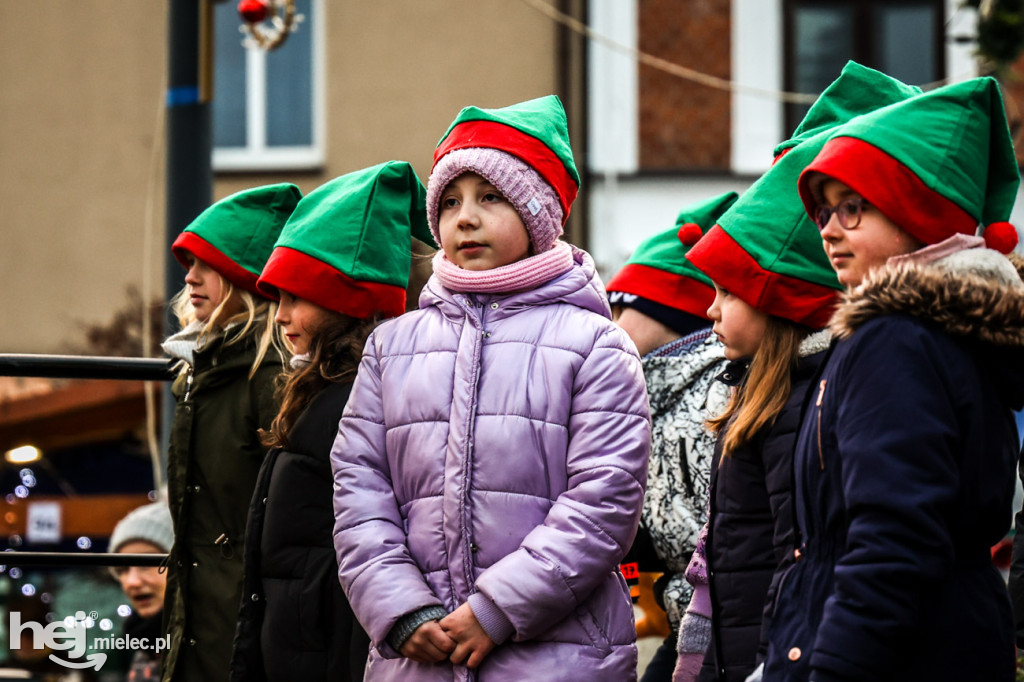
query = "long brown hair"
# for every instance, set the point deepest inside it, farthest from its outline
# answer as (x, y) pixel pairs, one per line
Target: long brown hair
(757, 401)
(334, 353)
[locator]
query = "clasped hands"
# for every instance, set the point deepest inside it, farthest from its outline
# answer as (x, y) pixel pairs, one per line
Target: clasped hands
(458, 637)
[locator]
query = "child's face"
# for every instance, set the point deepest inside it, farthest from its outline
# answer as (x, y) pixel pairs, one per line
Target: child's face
(205, 287)
(855, 251)
(301, 320)
(738, 325)
(480, 229)
(143, 585)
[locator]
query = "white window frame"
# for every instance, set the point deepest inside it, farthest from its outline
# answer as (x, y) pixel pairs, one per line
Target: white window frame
(756, 47)
(613, 90)
(256, 155)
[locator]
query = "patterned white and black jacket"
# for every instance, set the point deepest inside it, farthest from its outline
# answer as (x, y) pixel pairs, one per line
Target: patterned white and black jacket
(683, 393)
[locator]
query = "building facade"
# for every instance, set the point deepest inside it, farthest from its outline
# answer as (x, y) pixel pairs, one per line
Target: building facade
(83, 126)
(658, 141)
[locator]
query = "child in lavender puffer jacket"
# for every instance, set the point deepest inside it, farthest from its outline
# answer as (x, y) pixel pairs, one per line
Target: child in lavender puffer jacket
(490, 465)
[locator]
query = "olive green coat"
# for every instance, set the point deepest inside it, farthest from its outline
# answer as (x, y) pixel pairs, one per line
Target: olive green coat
(213, 459)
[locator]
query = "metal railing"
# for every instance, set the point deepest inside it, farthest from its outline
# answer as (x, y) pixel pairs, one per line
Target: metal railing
(83, 367)
(12, 558)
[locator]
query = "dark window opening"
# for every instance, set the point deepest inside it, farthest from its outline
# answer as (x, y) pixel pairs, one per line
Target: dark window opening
(903, 38)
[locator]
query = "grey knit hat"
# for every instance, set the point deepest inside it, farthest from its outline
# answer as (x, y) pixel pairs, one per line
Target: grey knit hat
(149, 523)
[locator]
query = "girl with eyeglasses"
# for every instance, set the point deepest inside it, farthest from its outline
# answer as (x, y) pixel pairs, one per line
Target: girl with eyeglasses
(856, 235)
(904, 463)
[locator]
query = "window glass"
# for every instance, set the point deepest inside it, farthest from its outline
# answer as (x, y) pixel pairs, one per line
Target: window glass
(228, 108)
(824, 43)
(290, 87)
(905, 50)
(896, 37)
(266, 115)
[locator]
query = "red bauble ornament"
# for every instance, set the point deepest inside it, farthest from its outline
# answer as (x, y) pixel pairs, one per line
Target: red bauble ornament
(689, 233)
(1001, 237)
(253, 11)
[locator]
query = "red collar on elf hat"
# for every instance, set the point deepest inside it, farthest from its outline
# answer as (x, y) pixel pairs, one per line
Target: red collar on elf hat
(897, 192)
(190, 242)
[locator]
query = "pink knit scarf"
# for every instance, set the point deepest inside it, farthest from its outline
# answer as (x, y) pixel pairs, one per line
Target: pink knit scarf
(519, 276)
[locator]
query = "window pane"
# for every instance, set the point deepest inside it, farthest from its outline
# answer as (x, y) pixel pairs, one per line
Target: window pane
(290, 86)
(228, 106)
(906, 42)
(823, 42)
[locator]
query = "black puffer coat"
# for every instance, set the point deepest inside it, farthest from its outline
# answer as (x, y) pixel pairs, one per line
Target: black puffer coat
(295, 622)
(751, 529)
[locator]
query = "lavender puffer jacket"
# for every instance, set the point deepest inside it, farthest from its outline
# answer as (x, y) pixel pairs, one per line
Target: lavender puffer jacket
(497, 444)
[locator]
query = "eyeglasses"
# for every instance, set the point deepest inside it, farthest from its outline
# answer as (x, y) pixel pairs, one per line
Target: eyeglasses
(848, 211)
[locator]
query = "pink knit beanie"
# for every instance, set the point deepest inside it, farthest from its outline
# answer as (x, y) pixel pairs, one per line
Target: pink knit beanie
(534, 199)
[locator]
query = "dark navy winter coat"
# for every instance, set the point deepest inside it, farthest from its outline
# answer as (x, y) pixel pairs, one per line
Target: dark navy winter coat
(904, 478)
(751, 528)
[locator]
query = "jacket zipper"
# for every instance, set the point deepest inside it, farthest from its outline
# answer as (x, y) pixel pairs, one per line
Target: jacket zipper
(188, 384)
(821, 396)
(468, 454)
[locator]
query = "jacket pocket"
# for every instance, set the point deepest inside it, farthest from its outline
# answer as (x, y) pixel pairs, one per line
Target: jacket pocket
(792, 632)
(593, 630)
(606, 617)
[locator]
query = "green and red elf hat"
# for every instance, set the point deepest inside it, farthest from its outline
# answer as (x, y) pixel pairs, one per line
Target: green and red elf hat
(235, 235)
(936, 165)
(347, 245)
(765, 249)
(846, 98)
(658, 269)
(768, 252)
(524, 151)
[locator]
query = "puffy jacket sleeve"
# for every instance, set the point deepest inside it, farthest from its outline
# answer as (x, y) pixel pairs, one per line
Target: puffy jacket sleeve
(379, 575)
(897, 437)
(591, 525)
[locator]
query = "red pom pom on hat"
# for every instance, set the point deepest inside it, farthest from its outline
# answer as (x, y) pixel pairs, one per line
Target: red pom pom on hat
(253, 11)
(1001, 237)
(689, 233)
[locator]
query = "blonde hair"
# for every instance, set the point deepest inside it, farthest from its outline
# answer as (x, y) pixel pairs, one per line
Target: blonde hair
(255, 319)
(759, 399)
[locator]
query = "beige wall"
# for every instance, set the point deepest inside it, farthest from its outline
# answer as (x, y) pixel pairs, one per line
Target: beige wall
(80, 94)
(80, 99)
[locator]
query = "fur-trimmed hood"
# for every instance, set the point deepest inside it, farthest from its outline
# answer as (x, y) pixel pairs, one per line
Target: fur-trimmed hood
(968, 295)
